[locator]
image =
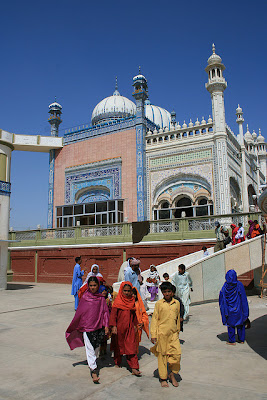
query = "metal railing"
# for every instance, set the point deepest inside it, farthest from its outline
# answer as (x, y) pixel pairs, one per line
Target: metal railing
(180, 228)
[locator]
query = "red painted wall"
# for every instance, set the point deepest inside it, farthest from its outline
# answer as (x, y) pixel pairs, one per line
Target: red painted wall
(56, 265)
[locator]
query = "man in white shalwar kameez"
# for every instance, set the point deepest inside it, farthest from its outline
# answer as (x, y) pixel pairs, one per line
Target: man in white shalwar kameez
(183, 283)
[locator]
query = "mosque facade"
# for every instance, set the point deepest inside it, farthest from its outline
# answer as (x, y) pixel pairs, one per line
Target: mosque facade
(136, 162)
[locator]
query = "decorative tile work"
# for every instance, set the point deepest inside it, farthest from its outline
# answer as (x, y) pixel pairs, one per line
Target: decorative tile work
(201, 172)
(51, 189)
(5, 188)
(99, 130)
(180, 158)
(105, 175)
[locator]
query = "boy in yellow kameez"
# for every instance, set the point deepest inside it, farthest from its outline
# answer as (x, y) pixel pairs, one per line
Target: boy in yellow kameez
(164, 330)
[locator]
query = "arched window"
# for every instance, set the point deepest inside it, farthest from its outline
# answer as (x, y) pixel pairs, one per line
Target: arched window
(202, 209)
(213, 73)
(218, 73)
(183, 205)
(164, 212)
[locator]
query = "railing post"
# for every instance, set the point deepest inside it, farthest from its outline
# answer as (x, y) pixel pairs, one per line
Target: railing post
(38, 235)
(78, 233)
(183, 227)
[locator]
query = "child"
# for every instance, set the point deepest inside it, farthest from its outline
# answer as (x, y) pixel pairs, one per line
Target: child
(142, 317)
(240, 237)
(152, 282)
(234, 307)
(181, 308)
(166, 277)
(90, 325)
(144, 293)
(103, 346)
(123, 323)
(205, 251)
(164, 330)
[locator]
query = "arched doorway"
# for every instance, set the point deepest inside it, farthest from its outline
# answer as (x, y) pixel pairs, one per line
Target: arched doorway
(183, 205)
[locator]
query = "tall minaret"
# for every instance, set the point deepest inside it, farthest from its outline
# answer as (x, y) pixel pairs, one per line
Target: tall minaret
(240, 120)
(216, 86)
(55, 111)
(140, 94)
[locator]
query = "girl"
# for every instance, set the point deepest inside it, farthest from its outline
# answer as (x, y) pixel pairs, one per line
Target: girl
(123, 323)
(142, 317)
(90, 325)
(104, 291)
(152, 282)
(94, 272)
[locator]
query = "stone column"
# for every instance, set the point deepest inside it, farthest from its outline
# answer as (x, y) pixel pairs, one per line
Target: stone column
(5, 157)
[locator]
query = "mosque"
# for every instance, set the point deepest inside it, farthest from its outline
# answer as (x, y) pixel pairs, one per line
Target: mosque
(136, 162)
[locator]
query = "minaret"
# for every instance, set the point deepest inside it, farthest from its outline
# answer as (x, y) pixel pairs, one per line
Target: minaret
(216, 86)
(140, 94)
(54, 120)
(240, 120)
(55, 117)
(173, 118)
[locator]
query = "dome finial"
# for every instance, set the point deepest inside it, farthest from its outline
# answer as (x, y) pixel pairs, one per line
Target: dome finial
(139, 69)
(213, 48)
(116, 93)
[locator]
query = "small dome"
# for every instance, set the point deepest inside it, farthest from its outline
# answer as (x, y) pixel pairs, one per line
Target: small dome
(254, 135)
(139, 77)
(178, 126)
(248, 136)
(55, 105)
(158, 115)
(112, 108)
(214, 58)
(190, 124)
(197, 122)
(239, 110)
(184, 125)
(260, 138)
(203, 122)
(210, 120)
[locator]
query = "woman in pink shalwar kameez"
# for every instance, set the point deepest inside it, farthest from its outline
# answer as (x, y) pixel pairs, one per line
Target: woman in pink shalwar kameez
(90, 325)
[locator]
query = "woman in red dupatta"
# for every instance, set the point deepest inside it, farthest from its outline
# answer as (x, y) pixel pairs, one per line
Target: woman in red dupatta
(123, 322)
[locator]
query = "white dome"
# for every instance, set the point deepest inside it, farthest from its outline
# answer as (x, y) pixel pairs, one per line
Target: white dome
(158, 115)
(214, 58)
(113, 107)
(55, 105)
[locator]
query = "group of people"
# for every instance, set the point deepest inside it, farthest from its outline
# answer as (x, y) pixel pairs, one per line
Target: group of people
(101, 314)
(223, 237)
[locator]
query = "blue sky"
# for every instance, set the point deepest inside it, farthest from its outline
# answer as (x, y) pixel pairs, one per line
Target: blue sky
(75, 49)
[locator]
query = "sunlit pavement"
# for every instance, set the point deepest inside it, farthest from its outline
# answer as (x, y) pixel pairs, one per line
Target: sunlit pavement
(36, 362)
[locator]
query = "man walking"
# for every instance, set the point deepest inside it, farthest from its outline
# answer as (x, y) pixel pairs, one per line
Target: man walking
(77, 281)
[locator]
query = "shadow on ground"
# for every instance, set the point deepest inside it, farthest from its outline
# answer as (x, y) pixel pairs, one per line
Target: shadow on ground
(255, 336)
(19, 286)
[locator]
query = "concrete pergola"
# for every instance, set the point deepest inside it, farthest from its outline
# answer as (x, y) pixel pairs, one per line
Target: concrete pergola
(8, 143)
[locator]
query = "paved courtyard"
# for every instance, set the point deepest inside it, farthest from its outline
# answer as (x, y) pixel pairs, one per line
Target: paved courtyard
(36, 362)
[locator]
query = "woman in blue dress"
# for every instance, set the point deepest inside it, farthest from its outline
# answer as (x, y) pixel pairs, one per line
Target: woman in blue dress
(234, 307)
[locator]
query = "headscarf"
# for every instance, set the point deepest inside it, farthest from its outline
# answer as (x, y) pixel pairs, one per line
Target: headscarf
(121, 301)
(250, 229)
(98, 275)
(102, 288)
